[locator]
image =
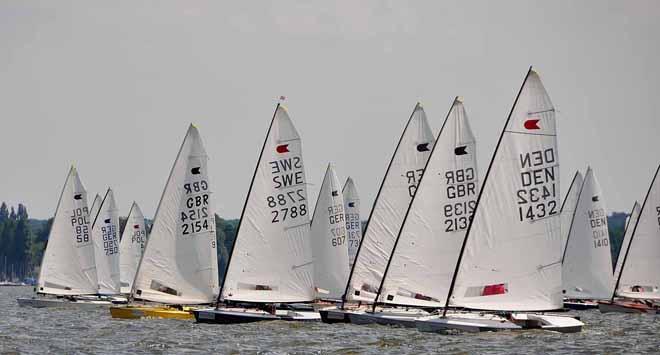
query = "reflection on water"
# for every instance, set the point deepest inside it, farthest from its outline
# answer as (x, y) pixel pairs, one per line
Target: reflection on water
(28, 330)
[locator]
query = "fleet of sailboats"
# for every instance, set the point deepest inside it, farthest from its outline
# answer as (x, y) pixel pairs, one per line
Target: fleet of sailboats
(443, 248)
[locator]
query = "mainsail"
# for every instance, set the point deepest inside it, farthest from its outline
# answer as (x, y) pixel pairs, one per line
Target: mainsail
(353, 222)
(396, 192)
(568, 207)
(639, 271)
(587, 263)
(271, 260)
(179, 264)
(329, 244)
(511, 256)
(105, 235)
(630, 225)
(131, 246)
(423, 261)
(68, 267)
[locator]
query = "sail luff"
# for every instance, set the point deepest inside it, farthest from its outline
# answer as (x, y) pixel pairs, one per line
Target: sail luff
(634, 216)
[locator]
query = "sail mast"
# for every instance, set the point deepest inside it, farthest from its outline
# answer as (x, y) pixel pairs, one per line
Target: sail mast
(373, 207)
(483, 186)
(398, 236)
(632, 236)
(247, 198)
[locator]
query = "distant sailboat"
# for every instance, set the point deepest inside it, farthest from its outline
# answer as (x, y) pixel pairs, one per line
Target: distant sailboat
(353, 221)
(67, 269)
(421, 266)
(638, 278)
(131, 247)
(510, 259)
(329, 244)
(396, 191)
(587, 260)
(179, 266)
(271, 260)
(105, 236)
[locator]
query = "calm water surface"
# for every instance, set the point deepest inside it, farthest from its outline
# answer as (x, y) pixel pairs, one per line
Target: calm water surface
(39, 331)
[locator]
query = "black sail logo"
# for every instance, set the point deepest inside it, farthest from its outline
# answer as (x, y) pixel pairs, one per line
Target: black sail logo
(334, 193)
(595, 199)
(107, 221)
(462, 150)
(195, 171)
(77, 197)
(351, 204)
(424, 147)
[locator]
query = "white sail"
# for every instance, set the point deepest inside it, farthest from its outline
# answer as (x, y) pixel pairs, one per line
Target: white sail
(396, 192)
(430, 240)
(353, 222)
(179, 264)
(639, 275)
(329, 244)
(568, 207)
(630, 225)
(105, 236)
(94, 209)
(68, 263)
(587, 264)
(131, 246)
(271, 260)
(512, 255)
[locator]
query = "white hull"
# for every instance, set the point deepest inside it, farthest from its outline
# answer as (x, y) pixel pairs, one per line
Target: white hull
(387, 316)
(246, 315)
(480, 322)
(37, 302)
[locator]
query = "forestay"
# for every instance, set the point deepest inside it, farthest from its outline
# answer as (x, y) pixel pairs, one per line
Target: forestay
(568, 207)
(353, 222)
(179, 265)
(512, 255)
(271, 260)
(396, 192)
(425, 256)
(94, 210)
(131, 246)
(639, 275)
(587, 264)
(630, 225)
(329, 244)
(68, 267)
(105, 236)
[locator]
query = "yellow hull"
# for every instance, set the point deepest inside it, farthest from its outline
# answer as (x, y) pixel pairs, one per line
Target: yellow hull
(137, 312)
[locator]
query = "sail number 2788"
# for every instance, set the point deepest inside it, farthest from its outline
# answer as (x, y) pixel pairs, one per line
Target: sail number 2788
(287, 205)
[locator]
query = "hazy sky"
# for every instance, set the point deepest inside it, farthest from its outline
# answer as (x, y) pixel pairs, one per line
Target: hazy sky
(112, 87)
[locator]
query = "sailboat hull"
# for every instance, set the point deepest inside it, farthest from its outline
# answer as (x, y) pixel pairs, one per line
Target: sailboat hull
(162, 312)
(388, 316)
(625, 307)
(37, 302)
(579, 305)
(246, 315)
(335, 315)
(479, 322)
